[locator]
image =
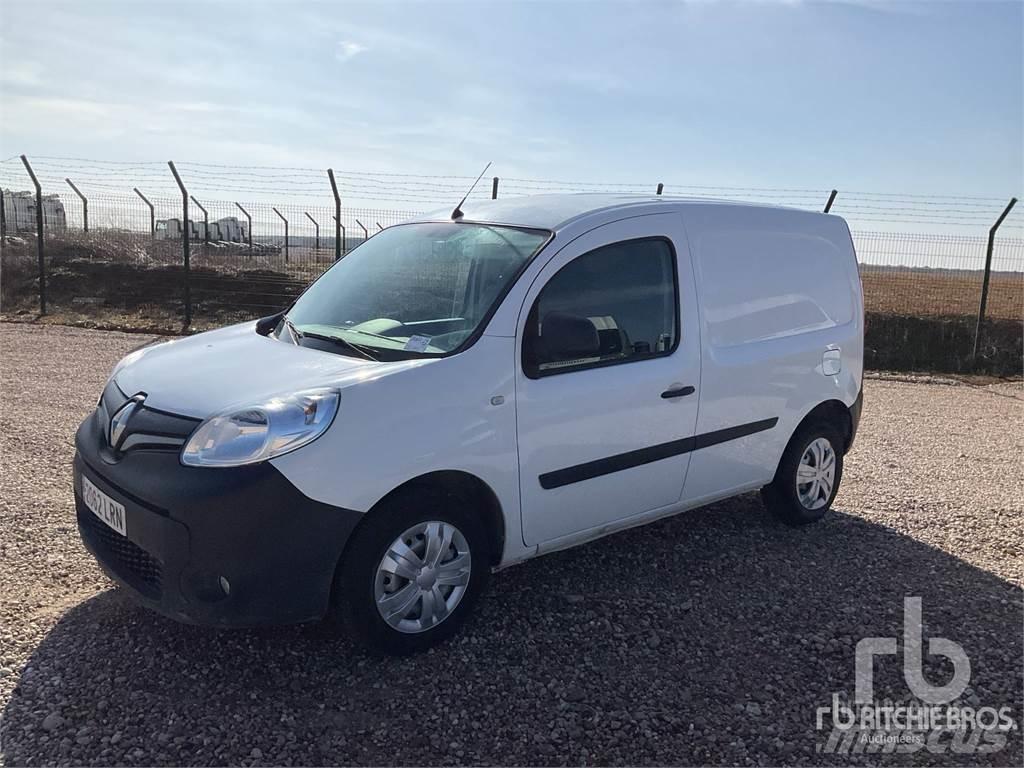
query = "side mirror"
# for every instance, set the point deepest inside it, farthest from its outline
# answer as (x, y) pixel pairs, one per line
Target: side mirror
(566, 337)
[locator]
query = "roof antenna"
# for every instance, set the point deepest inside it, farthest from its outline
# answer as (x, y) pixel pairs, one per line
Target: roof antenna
(457, 213)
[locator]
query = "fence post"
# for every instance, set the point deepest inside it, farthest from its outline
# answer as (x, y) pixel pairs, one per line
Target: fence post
(366, 235)
(206, 221)
(344, 238)
(660, 189)
(3, 216)
(988, 273)
(831, 199)
(494, 188)
(85, 205)
(184, 244)
(152, 214)
(338, 227)
(247, 216)
(317, 227)
(39, 235)
(285, 234)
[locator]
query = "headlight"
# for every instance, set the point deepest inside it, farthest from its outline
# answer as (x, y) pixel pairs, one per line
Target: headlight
(263, 431)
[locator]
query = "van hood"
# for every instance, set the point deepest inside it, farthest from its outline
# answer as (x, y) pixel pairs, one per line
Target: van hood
(205, 374)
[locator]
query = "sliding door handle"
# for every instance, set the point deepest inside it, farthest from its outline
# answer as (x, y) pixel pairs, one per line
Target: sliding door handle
(677, 392)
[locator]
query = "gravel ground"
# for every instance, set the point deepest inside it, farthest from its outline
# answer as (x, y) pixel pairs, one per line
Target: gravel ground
(711, 637)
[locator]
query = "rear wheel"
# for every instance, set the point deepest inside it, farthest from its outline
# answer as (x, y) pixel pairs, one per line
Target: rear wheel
(412, 572)
(808, 476)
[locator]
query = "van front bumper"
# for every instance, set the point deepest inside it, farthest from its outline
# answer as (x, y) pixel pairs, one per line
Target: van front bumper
(222, 547)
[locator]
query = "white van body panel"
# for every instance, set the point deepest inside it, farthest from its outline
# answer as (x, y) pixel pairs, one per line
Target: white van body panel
(764, 294)
(432, 417)
(199, 376)
(778, 288)
(577, 417)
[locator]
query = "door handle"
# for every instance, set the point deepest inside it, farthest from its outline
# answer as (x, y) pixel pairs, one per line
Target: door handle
(677, 392)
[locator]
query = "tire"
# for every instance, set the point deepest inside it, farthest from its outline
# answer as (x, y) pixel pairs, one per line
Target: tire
(806, 503)
(427, 611)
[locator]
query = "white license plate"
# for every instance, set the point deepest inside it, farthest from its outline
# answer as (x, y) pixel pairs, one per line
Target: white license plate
(104, 507)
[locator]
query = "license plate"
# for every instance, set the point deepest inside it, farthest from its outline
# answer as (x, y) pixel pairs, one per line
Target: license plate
(104, 507)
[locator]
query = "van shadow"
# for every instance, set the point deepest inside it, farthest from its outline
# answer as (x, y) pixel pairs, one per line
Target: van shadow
(707, 638)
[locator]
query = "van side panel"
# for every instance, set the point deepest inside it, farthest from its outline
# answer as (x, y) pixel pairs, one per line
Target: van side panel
(777, 289)
(439, 417)
(764, 284)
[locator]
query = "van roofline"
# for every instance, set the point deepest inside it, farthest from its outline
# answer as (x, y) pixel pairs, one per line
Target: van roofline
(555, 212)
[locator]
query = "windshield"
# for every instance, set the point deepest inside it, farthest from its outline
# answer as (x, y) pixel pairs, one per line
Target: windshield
(412, 290)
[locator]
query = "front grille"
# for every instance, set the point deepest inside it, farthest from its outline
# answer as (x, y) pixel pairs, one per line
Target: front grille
(146, 428)
(123, 556)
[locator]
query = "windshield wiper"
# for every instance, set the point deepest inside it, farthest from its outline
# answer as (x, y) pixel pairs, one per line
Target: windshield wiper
(296, 335)
(357, 348)
(369, 333)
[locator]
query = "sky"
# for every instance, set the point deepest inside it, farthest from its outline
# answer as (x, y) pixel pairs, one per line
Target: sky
(892, 97)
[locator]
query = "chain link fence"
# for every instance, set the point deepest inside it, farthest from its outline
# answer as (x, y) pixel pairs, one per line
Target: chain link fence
(114, 260)
(117, 259)
(939, 275)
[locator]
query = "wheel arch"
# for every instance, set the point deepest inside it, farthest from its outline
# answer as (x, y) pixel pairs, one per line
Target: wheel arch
(463, 485)
(835, 412)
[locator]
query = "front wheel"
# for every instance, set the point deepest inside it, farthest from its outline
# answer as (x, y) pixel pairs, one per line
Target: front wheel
(808, 476)
(412, 572)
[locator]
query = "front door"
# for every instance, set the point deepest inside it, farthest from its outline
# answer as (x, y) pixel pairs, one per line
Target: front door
(609, 363)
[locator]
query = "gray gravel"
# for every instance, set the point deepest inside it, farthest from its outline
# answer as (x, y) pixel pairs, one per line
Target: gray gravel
(707, 638)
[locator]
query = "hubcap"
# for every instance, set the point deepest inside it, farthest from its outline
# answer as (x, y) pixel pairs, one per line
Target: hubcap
(423, 576)
(816, 474)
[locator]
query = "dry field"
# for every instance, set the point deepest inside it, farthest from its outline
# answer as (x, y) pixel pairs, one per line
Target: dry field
(94, 272)
(924, 293)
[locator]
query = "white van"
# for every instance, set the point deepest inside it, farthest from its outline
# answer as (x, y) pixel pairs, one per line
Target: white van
(471, 390)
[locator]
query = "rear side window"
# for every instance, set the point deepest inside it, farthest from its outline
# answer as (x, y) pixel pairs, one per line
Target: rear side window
(615, 304)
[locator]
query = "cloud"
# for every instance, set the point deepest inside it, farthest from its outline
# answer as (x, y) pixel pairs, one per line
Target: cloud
(21, 74)
(349, 49)
(68, 107)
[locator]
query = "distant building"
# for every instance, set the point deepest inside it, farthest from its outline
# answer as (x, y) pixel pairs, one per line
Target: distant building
(20, 212)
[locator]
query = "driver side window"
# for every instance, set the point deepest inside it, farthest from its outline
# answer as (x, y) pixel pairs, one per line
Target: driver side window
(615, 304)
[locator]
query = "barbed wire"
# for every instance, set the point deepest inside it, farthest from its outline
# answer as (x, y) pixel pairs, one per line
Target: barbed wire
(423, 190)
(235, 170)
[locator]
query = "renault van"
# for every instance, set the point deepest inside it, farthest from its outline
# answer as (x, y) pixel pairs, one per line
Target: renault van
(471, 390)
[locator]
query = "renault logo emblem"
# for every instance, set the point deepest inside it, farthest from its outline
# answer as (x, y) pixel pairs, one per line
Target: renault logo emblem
(120, 420)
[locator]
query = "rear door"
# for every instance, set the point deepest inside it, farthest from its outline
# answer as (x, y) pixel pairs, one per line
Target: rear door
(604, 433)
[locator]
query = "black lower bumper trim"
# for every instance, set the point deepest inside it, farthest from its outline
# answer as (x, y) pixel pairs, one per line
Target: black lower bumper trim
(123, 556)
(224, 547)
